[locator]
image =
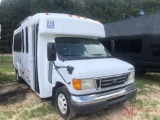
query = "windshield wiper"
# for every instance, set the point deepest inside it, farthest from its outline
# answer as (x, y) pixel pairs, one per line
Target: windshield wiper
(97, 54)
(101, 55)
(72, 55)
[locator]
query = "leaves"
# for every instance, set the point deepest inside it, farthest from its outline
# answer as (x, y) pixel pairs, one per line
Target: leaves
(12, 12)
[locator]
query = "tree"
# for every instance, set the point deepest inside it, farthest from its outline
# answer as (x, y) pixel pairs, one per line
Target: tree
(12, 12)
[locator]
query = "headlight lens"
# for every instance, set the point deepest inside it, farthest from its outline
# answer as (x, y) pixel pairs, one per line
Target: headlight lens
(83, 84)
(131, 75)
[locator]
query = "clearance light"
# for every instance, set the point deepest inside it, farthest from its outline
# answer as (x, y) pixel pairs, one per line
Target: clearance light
(84, 17)
(98, 21)
(70, 15)
(47, 13)
(78, 16)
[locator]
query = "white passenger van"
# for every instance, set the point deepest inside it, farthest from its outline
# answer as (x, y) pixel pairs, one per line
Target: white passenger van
(59, 56)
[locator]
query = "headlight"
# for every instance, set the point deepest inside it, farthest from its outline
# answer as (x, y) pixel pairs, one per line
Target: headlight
(83, 84)
(131, 75)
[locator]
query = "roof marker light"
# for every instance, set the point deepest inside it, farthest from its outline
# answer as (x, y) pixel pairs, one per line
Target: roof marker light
(85, 17)
(98, 21)
(78, 16)
(47, 13)
(70, 15)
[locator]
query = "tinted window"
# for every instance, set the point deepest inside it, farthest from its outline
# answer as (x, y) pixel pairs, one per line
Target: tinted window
(22, 39)
(107, 45)
(128, 45)
(121, 45)
(135, 46)
(17, 42)
(26, 39)
(156, 50)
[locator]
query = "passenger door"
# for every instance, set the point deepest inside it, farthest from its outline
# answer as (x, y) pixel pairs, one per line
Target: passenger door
(35, 28)
(22, 53)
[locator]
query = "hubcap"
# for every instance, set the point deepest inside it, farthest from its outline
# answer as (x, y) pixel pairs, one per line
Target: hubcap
(62, 103)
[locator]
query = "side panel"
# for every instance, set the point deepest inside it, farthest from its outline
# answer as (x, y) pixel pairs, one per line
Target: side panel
(141, 51)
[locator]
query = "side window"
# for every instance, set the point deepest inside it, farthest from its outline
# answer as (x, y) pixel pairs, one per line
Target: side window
(17, 42)
(27, 40)
(121, 46)
(22, 40)
(14, 47)
(107, 44)
(135, 46)
(128, 45)
(35, 37)
(156, 50)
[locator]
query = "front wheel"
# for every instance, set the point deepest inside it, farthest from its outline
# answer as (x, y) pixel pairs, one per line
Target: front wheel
(63, 103)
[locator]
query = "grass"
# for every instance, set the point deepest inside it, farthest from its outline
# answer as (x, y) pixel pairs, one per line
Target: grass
(7, 75)
(149, 79)
(5, 115)
(6, 59)
(44, 109)
(6, 70)
(143, 100)
(156, 117)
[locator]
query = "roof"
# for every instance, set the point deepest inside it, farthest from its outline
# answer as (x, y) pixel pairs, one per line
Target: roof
(66, 24)
(61, 16)
(143, 25)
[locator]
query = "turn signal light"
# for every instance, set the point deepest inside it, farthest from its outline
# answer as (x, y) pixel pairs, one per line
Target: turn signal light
(77, 84)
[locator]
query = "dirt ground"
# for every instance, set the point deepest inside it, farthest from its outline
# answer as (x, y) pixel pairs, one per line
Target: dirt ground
(18, 100)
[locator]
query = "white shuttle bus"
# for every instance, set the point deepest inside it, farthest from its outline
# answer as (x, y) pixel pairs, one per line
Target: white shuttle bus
(59, 56)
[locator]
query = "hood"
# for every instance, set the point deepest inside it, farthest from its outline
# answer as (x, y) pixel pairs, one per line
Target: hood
(91, 68)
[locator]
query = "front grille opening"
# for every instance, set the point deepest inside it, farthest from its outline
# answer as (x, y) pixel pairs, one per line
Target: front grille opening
(120, 97)
(98, 83)
(111, 81)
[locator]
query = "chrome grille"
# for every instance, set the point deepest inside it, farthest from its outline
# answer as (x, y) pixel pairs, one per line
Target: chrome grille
(111, 81)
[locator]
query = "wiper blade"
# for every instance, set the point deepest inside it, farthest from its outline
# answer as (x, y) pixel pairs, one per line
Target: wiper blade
(101, 55)
(77, 56)
(72, 55)
(97, 54)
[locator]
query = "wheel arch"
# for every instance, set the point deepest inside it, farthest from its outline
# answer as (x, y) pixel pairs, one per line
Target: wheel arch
(57, 85)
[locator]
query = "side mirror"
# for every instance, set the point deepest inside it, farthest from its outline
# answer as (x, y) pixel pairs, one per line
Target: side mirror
(51, 54)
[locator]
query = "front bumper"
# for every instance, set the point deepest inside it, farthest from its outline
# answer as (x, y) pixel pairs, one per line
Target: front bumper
(94, 102)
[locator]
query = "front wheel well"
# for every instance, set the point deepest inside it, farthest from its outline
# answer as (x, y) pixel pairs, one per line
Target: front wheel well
(58, 85)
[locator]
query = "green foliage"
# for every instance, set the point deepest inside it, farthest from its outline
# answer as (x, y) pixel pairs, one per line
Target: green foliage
(7, 74)
(6, 115)
(12, 12)
(40, 111)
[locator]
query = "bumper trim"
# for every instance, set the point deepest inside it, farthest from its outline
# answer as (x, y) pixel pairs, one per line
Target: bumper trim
(87, 103)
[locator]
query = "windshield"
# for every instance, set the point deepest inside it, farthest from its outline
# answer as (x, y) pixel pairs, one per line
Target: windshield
(73, 48)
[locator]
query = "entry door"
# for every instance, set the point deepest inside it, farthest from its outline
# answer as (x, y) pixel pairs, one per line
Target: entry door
(35, 60)
(22, 53)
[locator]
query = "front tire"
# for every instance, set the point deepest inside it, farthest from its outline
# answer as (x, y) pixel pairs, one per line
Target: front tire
(63, 103)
